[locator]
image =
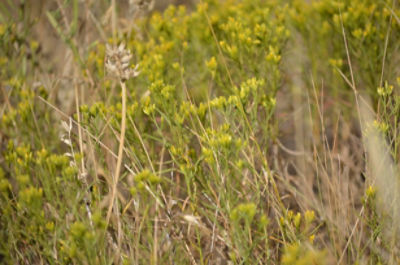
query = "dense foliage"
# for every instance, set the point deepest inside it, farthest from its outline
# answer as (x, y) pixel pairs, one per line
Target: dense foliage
(207, 178)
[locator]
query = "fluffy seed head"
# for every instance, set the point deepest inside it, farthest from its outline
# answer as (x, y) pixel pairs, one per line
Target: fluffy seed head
(118, 62)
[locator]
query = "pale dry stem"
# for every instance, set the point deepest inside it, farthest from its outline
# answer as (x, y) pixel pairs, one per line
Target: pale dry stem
(119, 159)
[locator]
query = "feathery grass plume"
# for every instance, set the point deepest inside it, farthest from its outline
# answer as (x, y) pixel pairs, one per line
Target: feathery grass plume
(383, 175)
